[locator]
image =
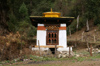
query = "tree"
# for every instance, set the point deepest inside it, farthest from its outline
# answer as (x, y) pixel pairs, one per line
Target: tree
(3, 14)
(12, 23)
(42, 6)
(23, 12)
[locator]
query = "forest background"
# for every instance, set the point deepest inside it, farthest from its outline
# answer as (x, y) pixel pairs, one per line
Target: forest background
(14, 18)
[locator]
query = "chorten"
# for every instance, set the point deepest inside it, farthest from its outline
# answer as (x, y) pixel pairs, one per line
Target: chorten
(51, 30)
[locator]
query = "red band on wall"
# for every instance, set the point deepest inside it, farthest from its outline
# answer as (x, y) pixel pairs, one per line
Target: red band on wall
(62, 28)
(41, 28)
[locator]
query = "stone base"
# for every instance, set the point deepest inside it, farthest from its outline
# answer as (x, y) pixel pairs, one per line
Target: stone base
(42, 49)
(64, 49)
(58, 49)
(61, 52)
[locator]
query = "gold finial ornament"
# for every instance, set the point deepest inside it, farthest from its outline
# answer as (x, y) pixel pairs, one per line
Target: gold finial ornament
(51, 14)
(51, 9)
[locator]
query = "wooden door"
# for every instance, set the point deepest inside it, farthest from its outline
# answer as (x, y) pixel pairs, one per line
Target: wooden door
(52, 37)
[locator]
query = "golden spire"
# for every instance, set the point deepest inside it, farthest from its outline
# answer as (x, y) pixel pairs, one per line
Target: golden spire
(51, 9)
(51, 14)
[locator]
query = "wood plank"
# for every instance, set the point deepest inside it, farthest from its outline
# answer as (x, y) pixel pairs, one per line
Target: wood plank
(49, 46)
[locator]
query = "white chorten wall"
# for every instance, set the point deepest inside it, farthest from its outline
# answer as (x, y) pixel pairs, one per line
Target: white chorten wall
(63, 38)
(62, 35)
(41, 35)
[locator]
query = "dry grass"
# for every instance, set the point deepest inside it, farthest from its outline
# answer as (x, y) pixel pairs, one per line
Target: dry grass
(87, 36)
(12, 46)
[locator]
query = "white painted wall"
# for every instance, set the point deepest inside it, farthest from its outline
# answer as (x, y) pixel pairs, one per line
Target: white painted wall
(40, 24)
(41, 36)
(62, 38)
(62, 25)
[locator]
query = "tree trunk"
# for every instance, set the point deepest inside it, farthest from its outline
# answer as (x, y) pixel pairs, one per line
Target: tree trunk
(88, 47)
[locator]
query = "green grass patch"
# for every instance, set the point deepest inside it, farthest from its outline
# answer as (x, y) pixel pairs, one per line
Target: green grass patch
(72, 59)
(37, 58)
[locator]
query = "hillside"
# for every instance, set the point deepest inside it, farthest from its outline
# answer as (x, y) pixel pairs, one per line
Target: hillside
(17, 34)
(87, 36)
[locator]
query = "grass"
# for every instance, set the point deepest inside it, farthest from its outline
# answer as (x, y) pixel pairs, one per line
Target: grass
(37, 58)
(95, 56)
(71, 59)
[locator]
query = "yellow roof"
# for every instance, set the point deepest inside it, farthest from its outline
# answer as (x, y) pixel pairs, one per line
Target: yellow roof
(51, 14)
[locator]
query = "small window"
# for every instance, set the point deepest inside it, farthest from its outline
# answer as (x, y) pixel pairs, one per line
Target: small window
(49, 35)
(55, 35)
(52, 41)
(55, 41)
(52, 37)
(49, 41)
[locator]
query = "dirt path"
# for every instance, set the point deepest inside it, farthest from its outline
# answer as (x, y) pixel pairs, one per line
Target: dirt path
(95, 62)
(86, 63)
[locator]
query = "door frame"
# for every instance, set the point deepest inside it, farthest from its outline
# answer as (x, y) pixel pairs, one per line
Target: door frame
(52, 38)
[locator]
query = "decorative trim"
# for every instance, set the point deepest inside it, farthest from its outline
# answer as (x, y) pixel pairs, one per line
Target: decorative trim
(41, 28)
(62, 28)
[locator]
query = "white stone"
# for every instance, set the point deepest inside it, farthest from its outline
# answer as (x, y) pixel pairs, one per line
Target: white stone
(92, 52)
(63, 56)
(25, 59)
(98, 51)
(59, 56)
(72, 53)
(87, 49)
(15, 60)
(77, 55)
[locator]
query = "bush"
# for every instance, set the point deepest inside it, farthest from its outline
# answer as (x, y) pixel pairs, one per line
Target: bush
(12, 23)
(96, 20)
(26, 30)
(31, 32)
